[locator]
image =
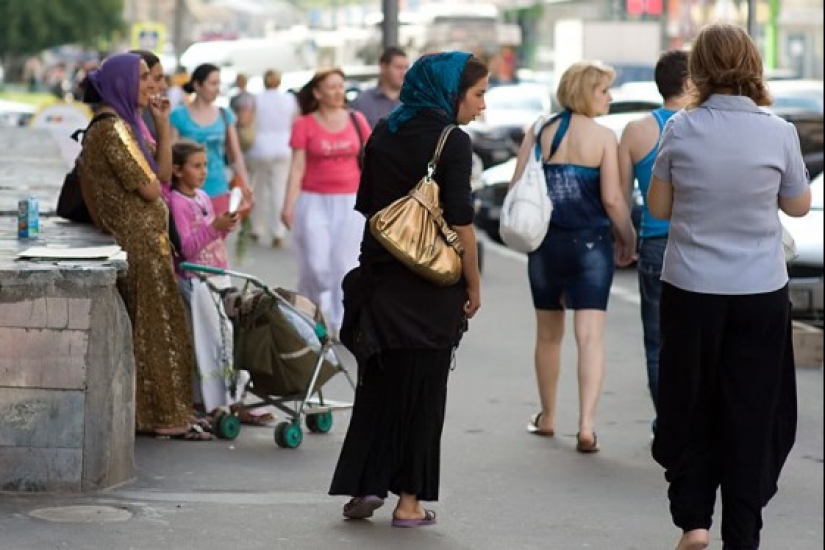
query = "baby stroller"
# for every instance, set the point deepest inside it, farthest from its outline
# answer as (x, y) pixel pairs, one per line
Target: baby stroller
(279, 338)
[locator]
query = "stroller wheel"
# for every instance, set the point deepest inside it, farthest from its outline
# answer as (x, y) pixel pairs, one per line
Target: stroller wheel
(227, 426)
(319, 423)
(288, 435)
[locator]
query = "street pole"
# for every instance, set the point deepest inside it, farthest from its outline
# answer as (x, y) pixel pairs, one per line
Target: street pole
(389, 26)
(752, 18)
(177, 29)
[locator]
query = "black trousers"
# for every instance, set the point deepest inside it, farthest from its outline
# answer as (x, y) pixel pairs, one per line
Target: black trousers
(393, 442)
(727, 406)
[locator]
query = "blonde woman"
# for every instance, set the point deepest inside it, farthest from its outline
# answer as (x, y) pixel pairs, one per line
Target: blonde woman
(573, 267)
(320, 199)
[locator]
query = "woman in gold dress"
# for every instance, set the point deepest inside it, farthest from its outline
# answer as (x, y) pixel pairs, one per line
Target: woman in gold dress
(117, 166)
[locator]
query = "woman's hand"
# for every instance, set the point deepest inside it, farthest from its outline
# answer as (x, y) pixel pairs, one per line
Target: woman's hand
(160, 107)
(473, 302)
(288, 216)
(226, 222)
(624, 250)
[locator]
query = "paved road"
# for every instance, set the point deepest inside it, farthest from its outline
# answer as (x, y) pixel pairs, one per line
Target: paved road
(501, 488)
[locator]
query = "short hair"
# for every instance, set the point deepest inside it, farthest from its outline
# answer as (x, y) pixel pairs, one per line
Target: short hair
(181, 151)
(272, 79)
(671, 73)
(306, 97)
(578, 82)
(149, 57)
(474, 70)
(724, 59)
(391, 53)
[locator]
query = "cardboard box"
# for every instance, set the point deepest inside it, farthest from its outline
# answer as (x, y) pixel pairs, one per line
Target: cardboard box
(807, 345)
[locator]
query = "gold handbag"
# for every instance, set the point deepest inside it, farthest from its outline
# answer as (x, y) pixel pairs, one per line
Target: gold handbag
(413, 230)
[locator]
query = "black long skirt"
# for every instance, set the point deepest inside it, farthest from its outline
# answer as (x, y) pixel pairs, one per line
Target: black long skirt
(393, 443)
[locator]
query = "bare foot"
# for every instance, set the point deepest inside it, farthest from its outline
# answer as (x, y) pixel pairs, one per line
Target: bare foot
(697, 539)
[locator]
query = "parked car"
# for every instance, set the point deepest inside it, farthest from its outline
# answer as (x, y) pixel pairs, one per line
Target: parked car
(632, 97)
(801, 95)
(805, 271)
(497, 133)
(15, 113)
(810, 128)
(495, 181)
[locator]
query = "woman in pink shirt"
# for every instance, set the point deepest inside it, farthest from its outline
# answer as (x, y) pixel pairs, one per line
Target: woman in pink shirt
(320, 201)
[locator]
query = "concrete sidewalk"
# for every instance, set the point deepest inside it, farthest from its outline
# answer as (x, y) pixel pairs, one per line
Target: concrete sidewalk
(501, 488)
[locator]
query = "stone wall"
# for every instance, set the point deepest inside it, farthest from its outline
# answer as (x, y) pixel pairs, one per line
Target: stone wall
(66, 383)
(66, 360)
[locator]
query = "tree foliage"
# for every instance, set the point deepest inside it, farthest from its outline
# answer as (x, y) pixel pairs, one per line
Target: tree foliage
(29, 26)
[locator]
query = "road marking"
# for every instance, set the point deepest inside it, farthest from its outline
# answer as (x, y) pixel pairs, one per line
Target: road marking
(631, 296)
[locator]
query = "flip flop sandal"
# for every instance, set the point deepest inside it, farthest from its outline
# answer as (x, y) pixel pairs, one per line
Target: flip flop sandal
(194, 433)
(533, 427)
(428, 519)
(589, 447)
(362, 507)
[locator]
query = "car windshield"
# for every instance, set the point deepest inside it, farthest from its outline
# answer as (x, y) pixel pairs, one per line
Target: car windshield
(816, 193)
(514, 98)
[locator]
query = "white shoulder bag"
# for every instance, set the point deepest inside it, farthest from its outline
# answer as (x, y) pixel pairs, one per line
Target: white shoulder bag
(525, 214)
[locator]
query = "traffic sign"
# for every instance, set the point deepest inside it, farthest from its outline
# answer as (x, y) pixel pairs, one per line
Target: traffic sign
(148, 36)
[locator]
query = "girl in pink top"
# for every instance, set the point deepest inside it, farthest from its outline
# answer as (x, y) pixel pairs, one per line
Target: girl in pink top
(202, 242)
(201, 232)
(320, 201)
(202, 237)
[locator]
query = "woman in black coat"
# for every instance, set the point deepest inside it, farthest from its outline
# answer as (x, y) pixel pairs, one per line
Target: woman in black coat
(407, 328)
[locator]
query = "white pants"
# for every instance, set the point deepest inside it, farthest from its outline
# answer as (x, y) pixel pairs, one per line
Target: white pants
(212, 337)
(269, 178)
(327, 232)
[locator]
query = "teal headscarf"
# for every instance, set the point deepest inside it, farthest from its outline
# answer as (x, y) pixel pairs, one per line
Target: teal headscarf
(431, 83)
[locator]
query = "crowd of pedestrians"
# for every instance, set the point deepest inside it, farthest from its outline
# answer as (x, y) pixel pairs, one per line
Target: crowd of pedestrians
(712, 276)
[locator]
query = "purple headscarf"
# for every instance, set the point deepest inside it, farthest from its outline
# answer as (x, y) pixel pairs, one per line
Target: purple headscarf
(117, 81)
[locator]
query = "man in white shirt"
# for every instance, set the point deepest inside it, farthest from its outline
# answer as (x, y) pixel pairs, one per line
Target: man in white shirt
(269, 157)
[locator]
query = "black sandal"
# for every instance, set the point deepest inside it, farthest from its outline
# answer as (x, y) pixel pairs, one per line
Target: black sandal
(587, 447)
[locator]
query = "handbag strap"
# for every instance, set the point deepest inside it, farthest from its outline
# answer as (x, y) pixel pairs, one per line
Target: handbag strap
(447, 232)
(442, 139)
(358, 131)
(227, 147)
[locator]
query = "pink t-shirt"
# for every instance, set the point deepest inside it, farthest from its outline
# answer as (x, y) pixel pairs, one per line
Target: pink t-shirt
(331, 157)
(200, 242)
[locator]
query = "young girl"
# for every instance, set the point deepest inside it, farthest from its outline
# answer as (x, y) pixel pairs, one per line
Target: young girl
(202, 236)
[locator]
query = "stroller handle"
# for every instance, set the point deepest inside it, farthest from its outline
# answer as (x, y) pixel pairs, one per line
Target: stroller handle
(187, 266)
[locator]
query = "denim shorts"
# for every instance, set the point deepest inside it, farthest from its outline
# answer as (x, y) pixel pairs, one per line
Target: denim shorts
(572, 269)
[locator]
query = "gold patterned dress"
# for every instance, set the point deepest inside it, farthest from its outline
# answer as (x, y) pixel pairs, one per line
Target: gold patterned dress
(113, 167)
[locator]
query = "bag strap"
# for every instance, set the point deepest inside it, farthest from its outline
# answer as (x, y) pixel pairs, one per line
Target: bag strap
(354, 120)
(442, 139)
(538, 128)
(447, 232)
(226, 146)
(82, 131)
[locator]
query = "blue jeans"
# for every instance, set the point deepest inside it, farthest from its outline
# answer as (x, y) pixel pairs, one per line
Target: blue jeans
(649, 265)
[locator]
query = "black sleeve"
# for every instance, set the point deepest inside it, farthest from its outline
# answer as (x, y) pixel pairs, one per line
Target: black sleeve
(363, 199)
(453, 177)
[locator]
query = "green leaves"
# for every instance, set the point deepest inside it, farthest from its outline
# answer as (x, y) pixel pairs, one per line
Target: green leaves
(29, 26)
